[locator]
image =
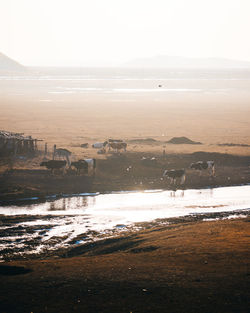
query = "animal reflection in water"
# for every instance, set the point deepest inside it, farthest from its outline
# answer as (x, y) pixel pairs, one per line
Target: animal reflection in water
(65, 204)
(173, 194)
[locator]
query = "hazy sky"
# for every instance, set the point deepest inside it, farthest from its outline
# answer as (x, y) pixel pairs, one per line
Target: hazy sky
(110, 32)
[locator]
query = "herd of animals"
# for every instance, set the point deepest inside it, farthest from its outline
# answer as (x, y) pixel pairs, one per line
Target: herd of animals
(180, 174)
(88, 166)
(82, 166)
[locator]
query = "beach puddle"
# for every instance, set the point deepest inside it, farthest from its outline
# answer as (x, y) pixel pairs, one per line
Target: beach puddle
(42, 228)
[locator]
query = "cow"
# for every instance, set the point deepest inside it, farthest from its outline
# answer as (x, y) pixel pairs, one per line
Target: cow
(204, 165)
(117, 146)
(91, 166)
(173, 175)
(115, 140)
(80, 165)
(54, 165)
(62, 153)
(99, 145)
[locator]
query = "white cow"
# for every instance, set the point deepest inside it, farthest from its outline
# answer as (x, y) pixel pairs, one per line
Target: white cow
(99, 145)
(204, 165)
(91, 166)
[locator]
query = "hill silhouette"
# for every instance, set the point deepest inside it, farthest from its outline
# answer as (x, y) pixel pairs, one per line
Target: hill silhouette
(164, 61)
(8, 65)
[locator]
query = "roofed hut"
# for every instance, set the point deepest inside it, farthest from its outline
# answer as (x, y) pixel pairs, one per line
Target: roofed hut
(16, 144)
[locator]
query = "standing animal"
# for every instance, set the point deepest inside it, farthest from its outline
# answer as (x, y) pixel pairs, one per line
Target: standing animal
(117, 146)
(173, 175)
(99, 145)
(91, 166)
(80, 165)
(62, 153)
(54, 165)
(204, 165)
(115, 140)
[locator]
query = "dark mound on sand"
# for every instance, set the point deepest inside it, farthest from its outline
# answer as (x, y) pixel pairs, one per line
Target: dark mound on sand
(183, 140)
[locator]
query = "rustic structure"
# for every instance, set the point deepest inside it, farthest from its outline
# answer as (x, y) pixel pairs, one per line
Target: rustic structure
(12, 144)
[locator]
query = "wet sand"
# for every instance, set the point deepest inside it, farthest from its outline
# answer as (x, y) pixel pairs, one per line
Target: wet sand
(183, 267)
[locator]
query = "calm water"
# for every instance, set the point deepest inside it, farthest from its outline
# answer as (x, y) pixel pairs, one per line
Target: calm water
(75, 220)
(51, 83)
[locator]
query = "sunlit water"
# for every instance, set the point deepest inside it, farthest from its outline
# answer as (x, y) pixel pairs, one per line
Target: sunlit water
(74, 220)
(111, 82)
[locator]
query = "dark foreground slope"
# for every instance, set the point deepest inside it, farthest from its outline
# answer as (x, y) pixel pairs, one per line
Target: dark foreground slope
(184, 267)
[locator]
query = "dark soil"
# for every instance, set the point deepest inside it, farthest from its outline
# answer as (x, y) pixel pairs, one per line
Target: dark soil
(185, 267)
(130, 171)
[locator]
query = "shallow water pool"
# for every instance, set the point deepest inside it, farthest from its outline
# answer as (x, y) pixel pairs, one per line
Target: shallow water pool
(55, 224)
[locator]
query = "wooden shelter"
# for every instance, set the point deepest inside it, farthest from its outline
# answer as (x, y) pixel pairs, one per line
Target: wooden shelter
(16, 144)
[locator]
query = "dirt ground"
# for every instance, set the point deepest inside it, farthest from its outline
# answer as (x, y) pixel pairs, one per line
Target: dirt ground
(128, 171)
(184, 267)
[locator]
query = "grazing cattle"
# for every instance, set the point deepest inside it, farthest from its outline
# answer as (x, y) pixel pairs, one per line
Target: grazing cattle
(204, 165)
(117, 146)
(62, 153)
(173, 175)
(99, 145)
(81, 166)
(115, 140)
(54, 165)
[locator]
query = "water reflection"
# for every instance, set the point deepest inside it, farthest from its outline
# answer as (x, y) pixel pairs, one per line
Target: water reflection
(65, 204)
(175, 194)
(65, 220)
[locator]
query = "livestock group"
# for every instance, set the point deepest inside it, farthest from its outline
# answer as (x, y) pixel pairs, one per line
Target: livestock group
(88, 166)
(175, 175)
(114, 145)
(64, 161)
(82, 166)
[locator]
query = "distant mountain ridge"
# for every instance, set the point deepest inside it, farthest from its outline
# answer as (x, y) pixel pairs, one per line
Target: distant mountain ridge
(163, 61)
(8, 65)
